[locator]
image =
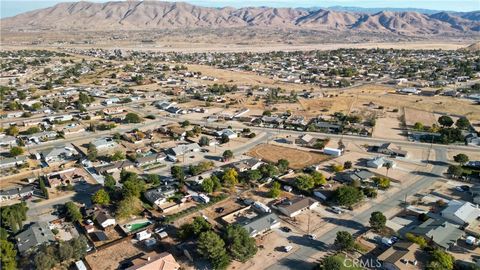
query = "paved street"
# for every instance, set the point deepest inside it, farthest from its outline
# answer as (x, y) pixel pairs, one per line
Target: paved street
(356, 223)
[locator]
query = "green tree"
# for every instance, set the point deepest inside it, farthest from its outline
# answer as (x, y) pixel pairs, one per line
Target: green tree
(16, 151)
(204, 141)
(185, 123)
(282, 165)
(461, 158)
(12, 131)
(12, 216)
(208, 185)
(8, 255)
(304, 182)
(177, 173)
(268, 170)
(239, 243)
(132, 118)
(347, 164)
(455, 171)
(65, 251)
(73, 212)
(462, 123)
(224, 139)
(211, 246)
(251, 175)
(331, 263)
(445, 121)
(227, 155)
(419, 240)
(344, 240)
(133, 188)
(230, 177)
(275, 190)
(44, 261)
(128, 207)
(92, 152)
(377, 221)
(118, 155)
(348, 195)
(79, 245)
(318, 178)
(382, 182)
(418, 126)
(101, 197)
(440, 260)
(110, 182)
(337, 168)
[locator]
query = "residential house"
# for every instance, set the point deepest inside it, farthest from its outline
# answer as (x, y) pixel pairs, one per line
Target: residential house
(460, 212)
(39, 137)
(38, 233)
(226, 132)
(160, 194)
(261, 224)
(7, 141)
(247, 164)
(402, 255)
(391, 150)
(379, 162)
(293, 207)
(356, 175)
(306, 139)
(104, 143)
(150, 159)
(328, 127)
(15, 193)
(104, 219)
(154, 261)
(6, 163)
(440, 232)
(60, 154)
(184, 149)
(115, 166)
(409, 91)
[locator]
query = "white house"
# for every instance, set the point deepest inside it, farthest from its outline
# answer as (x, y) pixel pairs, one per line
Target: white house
(105, 220)
(378, 162)
(143, 235)
(104, 143)
(460, 212)
(226, 132)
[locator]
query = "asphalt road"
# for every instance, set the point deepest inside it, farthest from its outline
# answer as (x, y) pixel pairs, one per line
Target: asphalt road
(356, 224)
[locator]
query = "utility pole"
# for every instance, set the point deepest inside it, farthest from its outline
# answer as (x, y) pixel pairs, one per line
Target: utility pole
(308, 224)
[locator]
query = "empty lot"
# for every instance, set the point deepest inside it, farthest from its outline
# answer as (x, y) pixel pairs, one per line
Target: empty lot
(298, 159)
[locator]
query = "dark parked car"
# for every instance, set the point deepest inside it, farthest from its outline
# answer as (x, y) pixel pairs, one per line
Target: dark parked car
(286, 229)
(220, 210)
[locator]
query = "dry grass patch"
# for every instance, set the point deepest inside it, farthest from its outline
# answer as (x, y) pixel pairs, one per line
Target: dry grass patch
(298, 159)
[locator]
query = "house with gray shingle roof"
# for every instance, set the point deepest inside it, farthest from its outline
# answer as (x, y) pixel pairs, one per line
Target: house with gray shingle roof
(37, 234)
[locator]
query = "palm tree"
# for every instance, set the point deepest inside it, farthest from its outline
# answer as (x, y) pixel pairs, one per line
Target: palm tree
(388, 165)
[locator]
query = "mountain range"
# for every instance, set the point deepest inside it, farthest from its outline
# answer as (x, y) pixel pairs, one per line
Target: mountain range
(156, 15)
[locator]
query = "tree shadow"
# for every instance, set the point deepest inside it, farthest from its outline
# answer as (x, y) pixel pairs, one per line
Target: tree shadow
(345, 222)
(297, 264)
(427, 174)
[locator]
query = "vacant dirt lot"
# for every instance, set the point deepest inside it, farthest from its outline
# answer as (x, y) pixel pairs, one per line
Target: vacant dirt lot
(110, 257)
(298, 158)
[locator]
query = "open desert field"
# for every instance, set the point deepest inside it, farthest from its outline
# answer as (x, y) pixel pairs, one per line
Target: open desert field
(298, 158)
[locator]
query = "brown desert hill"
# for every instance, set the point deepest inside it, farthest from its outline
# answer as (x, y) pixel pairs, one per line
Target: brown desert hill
(156, 15)
(475, 47)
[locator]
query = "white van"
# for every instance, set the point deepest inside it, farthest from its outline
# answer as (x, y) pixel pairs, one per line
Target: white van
(287, 248)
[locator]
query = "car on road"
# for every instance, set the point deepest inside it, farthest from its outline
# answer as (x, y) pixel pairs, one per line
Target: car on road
(287, 248)
(311, 236)
(204, 150)
(336, 210)
(462, 188)
(286, 229)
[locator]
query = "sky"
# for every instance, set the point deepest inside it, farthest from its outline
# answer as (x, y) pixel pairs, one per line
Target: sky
(14, 7)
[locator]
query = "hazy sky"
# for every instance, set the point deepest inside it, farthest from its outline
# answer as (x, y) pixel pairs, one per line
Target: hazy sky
(11, 7)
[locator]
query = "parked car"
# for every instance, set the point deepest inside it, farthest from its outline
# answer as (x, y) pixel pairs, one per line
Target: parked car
(89, 222)
(159, 229)
(288, 188)
(311, 236)
(336, 210)
(220, 210)
(287, 248)
(286, 229)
